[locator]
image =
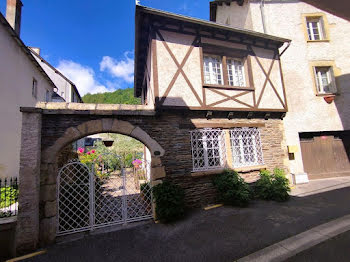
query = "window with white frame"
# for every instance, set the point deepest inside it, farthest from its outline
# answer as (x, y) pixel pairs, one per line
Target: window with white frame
(213, 70)
(325, 80)
(315, 29)
(235, 70)
(34, 88)
(208, 149)
(246, 147)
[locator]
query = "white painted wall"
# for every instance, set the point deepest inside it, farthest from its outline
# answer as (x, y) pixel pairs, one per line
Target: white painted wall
(182, 95)
(307, 112)
(16, 76)
(64, 87)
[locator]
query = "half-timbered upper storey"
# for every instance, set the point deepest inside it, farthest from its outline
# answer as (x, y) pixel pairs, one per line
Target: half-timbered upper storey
(182, 62)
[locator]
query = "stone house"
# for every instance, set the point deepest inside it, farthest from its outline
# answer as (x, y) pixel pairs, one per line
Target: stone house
(316, 73)
(213, 97)
(219, 92)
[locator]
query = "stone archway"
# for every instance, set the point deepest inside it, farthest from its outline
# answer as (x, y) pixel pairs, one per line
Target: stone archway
(36, 224)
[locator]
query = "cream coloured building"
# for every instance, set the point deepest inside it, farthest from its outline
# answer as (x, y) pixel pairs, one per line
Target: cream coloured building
(22, 83)
(316, 70)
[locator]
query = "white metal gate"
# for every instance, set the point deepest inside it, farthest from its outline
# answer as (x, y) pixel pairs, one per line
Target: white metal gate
(100, 195)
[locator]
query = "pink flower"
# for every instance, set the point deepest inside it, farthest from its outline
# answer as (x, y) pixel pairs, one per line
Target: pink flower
(88, 153)
(93, 151)
(80, 150)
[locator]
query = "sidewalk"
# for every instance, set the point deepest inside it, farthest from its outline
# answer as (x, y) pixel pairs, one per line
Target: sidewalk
(298, 243)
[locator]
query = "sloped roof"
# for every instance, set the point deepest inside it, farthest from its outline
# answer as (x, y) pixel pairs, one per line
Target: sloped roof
(55, 70)
(24, 48)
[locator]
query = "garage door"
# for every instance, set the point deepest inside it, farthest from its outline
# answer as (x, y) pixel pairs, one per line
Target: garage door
(326, 154)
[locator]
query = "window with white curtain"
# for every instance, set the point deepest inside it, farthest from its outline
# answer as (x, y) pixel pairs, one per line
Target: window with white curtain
(246, 147)
(213, 70)
(325, 80)
(315, 28)
(208, 149)
(235, 70)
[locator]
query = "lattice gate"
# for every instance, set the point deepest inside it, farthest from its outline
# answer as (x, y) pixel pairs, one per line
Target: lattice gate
(102, 194)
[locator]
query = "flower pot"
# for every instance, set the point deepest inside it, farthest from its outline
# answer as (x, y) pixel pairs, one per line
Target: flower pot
(108, 143)
(329, 99)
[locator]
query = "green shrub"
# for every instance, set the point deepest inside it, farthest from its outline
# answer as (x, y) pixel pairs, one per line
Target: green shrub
(170, 203)
(272, 186)
(8, 196)
(232, 190)
(145, 189)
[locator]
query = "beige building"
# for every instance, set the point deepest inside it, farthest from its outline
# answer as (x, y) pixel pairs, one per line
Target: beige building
(316, 69)
(66, 89)
(22, 83)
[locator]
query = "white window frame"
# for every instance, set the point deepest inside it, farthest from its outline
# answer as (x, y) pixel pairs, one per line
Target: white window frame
(246, 147)
(34, 88)
(204, 156)
(211, 77)
(330, 80)
(234, 68)
(310, 28)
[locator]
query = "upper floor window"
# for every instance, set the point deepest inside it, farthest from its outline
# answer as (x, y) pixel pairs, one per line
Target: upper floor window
(315, 28)
(222, 70)
(325, 82)
(213, 70)
(235, 69)
(34, 88)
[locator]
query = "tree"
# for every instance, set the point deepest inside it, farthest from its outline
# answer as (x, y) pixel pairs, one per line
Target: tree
(120, 96)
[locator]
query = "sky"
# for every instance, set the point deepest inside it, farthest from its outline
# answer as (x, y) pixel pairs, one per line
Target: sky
(92, 41)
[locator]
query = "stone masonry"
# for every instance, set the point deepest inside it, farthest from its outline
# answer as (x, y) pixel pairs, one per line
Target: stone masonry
(166, 134)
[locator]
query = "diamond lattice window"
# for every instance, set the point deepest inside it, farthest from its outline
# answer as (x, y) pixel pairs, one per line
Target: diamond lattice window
(246, 147)
(208, 149)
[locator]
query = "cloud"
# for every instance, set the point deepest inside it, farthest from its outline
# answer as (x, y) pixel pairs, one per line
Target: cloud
(123, 68)
(82, 76)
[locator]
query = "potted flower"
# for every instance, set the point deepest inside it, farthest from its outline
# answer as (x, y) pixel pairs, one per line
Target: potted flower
(137, 163)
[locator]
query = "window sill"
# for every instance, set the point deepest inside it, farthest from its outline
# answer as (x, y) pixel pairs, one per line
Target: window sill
(319, 41)
(327, 94)
(250, 168)
(220, 170)
(228, 87)
(207, 172)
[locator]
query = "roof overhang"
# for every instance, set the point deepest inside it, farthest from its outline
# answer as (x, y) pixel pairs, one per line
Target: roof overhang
(146, 18)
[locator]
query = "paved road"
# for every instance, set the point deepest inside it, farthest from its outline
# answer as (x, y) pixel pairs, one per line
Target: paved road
(221, 234)
(335, 249)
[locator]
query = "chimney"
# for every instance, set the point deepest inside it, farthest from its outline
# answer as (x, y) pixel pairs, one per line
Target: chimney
(13, 14)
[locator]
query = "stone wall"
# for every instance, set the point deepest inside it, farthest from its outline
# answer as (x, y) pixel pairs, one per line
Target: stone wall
(167, 135)
(172, 132)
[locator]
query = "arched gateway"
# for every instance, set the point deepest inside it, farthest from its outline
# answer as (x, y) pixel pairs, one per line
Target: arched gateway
(47, 130)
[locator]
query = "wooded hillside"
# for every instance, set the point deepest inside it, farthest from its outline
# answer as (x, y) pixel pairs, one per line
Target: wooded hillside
(120, 96)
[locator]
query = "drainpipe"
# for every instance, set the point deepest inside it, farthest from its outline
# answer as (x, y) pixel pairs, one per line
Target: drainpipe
(262, 4)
